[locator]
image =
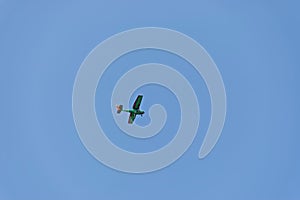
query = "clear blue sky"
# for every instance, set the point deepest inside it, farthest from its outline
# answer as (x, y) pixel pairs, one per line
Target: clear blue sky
(256, 47)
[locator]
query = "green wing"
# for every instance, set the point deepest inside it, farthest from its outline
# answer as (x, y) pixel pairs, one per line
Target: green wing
(137, 102)
(131, 118)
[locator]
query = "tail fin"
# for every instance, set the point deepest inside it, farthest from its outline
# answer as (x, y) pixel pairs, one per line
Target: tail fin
(119, 108)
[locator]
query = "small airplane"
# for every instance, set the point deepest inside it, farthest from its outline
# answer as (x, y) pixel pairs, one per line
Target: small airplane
(135, 109)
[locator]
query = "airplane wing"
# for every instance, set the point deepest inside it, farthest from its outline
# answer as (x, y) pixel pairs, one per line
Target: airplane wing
(131, 118)
(137, 102)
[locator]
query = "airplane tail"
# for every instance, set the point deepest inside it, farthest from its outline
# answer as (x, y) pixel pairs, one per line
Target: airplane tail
(119, 108)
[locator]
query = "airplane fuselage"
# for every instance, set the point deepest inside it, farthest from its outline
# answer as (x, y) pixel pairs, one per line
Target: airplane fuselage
(136, 112)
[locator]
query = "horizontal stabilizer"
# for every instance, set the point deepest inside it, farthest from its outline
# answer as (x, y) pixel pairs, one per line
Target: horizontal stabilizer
(119, 108)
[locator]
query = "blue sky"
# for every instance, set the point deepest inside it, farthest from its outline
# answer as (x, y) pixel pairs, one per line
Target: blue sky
(255, 45)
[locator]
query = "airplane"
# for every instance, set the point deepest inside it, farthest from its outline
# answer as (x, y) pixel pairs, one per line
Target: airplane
(135, 109)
